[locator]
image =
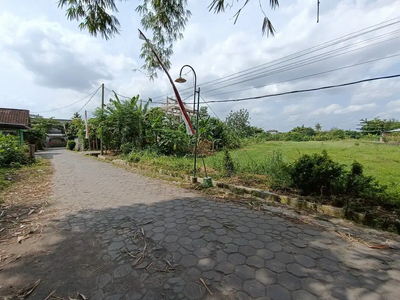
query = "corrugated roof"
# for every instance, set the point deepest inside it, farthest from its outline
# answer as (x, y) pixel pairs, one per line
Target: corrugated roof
(15, 116)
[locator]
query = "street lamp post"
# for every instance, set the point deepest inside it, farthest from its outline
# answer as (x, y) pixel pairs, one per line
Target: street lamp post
(180, 79)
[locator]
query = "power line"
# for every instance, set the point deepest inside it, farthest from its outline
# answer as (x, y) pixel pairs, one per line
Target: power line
(321, 56)
(301, 63)
(308, 50)
(66, 105)
(316, 48)
(204, 101)
(156, 102)
(114, 92)
(306, 90)
(89, 99)
(307, 76)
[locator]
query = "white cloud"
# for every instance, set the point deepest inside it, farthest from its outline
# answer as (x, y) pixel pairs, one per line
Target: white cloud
(394, 105)
(36, 38)
(356, 108)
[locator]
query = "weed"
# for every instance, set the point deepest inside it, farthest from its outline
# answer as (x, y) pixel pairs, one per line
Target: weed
(229, 166)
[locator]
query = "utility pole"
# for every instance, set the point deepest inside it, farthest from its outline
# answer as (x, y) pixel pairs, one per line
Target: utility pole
(102, 113)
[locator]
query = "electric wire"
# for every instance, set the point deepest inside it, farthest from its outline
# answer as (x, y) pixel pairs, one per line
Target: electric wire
(308, 76)
(306, 90)
(114, 92)
(39, 112)
(318, 47)
(89, 99)
(308, 50)
(302, 63)
(204, 101)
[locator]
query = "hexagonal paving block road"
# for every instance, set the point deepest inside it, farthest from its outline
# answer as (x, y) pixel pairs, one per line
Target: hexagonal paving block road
(123, 236)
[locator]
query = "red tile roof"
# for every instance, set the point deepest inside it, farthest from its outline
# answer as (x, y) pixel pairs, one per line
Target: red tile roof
(15, 116)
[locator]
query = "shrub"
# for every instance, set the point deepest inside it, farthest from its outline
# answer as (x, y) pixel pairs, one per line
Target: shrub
(275, 167)
(127, 148)
(12, 155)
(315, 174)
(278, 171)
(71, 145)
(318, 174)
(173, 142)
(229, 166)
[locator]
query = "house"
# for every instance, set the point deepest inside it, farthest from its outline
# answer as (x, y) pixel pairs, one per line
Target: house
(56, 137)
(14, 122)
(272, 131)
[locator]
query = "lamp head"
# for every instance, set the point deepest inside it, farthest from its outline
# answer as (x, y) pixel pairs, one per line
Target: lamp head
(180, 80)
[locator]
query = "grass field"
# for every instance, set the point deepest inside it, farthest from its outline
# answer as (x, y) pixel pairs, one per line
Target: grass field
(380, 160)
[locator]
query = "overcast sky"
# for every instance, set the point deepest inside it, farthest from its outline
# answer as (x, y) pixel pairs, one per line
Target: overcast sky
(47, 63)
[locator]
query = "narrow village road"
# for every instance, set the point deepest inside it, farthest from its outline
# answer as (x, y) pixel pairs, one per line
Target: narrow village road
(118, 235)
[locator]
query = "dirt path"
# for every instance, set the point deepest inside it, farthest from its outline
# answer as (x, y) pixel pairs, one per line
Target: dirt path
(118, 235)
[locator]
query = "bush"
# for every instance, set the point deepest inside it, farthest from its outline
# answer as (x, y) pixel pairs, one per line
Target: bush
(71, 145)
(278, 171)
(315, 174)
(127, 148)
(275, 167)
(229, 166)
(173, 142)
(12, 155)
(319, 175)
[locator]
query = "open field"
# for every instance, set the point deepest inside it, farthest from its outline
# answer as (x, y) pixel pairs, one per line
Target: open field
(380, 160)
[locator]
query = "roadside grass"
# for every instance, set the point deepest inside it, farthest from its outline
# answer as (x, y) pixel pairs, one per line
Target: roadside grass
(260, 166)
(23, 197)
(12, 180)
(380, 160)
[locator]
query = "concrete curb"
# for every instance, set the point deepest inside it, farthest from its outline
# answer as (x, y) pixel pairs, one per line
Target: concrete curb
(262, 194)
(291, 201)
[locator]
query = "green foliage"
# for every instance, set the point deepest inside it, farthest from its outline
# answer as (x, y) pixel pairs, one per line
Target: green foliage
(5, 178)
(77, 125)
(173, 142)
(376, 126)
(274, 166)
(239, 122)
(71, 145)
(303, 131)
(127, 148)
(41, 126)
(315, 174)
(123, 122)
(278, 171)
(229, 165)
(12, 155)
(319, 175)
(300, 134)
(45, 124)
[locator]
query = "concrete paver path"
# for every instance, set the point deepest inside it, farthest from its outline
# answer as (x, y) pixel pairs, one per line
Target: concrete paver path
(118, 235)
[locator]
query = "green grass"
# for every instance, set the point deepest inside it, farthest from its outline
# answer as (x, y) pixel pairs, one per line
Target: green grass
(379, 160)
(5, 173)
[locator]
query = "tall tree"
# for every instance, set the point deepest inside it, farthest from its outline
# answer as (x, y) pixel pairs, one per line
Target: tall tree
(166, 19)
(377, 126)
(239, 122)
(318, 127)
